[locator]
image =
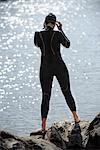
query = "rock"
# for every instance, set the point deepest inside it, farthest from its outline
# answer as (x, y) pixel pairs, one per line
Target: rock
(45, 144)
(8, 141)
(93, 133)
(6, 135)
(60, 136)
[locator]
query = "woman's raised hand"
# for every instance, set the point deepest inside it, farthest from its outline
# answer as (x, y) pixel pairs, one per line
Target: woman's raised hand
(59, 25)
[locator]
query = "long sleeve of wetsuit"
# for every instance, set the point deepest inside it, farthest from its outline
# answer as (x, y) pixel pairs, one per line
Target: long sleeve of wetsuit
(37, 40)
(64, 40)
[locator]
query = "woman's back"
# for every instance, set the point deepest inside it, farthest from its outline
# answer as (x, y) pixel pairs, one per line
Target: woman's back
(49, 42)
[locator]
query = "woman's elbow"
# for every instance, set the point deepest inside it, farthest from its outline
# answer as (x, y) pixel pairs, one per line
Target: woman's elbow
(67, 44)
(35, 43)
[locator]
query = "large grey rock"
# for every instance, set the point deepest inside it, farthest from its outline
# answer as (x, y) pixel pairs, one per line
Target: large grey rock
(11, 142)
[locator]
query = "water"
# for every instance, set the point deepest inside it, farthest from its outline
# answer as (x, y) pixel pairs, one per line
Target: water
(20, 91)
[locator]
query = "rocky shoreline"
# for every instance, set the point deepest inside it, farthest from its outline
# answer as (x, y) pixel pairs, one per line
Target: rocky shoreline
(60, 136)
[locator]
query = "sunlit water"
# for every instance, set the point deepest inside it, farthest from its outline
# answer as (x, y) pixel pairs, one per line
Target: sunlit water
(20, 91)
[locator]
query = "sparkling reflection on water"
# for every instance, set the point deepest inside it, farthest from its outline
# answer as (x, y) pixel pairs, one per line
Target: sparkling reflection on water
(20, 91)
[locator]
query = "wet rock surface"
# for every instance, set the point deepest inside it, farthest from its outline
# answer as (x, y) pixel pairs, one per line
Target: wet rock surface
(60, 136)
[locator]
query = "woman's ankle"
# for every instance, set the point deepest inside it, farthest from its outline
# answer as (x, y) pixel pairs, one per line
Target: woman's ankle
(75, 116)
(43, 125)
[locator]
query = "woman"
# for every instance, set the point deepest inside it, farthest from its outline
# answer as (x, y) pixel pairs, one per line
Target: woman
(52, 65)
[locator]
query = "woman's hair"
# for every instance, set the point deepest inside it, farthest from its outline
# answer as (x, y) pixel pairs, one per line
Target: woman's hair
(46, 24)
(50, 18)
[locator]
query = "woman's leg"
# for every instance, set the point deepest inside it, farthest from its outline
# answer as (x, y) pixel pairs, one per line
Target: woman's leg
(63, 79)
(46, 85)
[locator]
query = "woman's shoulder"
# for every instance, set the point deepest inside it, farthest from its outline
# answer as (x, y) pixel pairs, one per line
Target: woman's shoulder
(44, 31)
(57, 32)
(38, 32)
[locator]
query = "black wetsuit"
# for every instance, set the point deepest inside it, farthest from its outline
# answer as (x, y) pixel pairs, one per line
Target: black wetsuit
(52, 65)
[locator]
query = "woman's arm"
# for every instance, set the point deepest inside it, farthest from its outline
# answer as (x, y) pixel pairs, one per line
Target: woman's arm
(37, 40)
(63, 38)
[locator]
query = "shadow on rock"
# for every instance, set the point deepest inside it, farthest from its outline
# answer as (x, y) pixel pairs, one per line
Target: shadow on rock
(93, 133)
(75, 138)
(54, 137)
